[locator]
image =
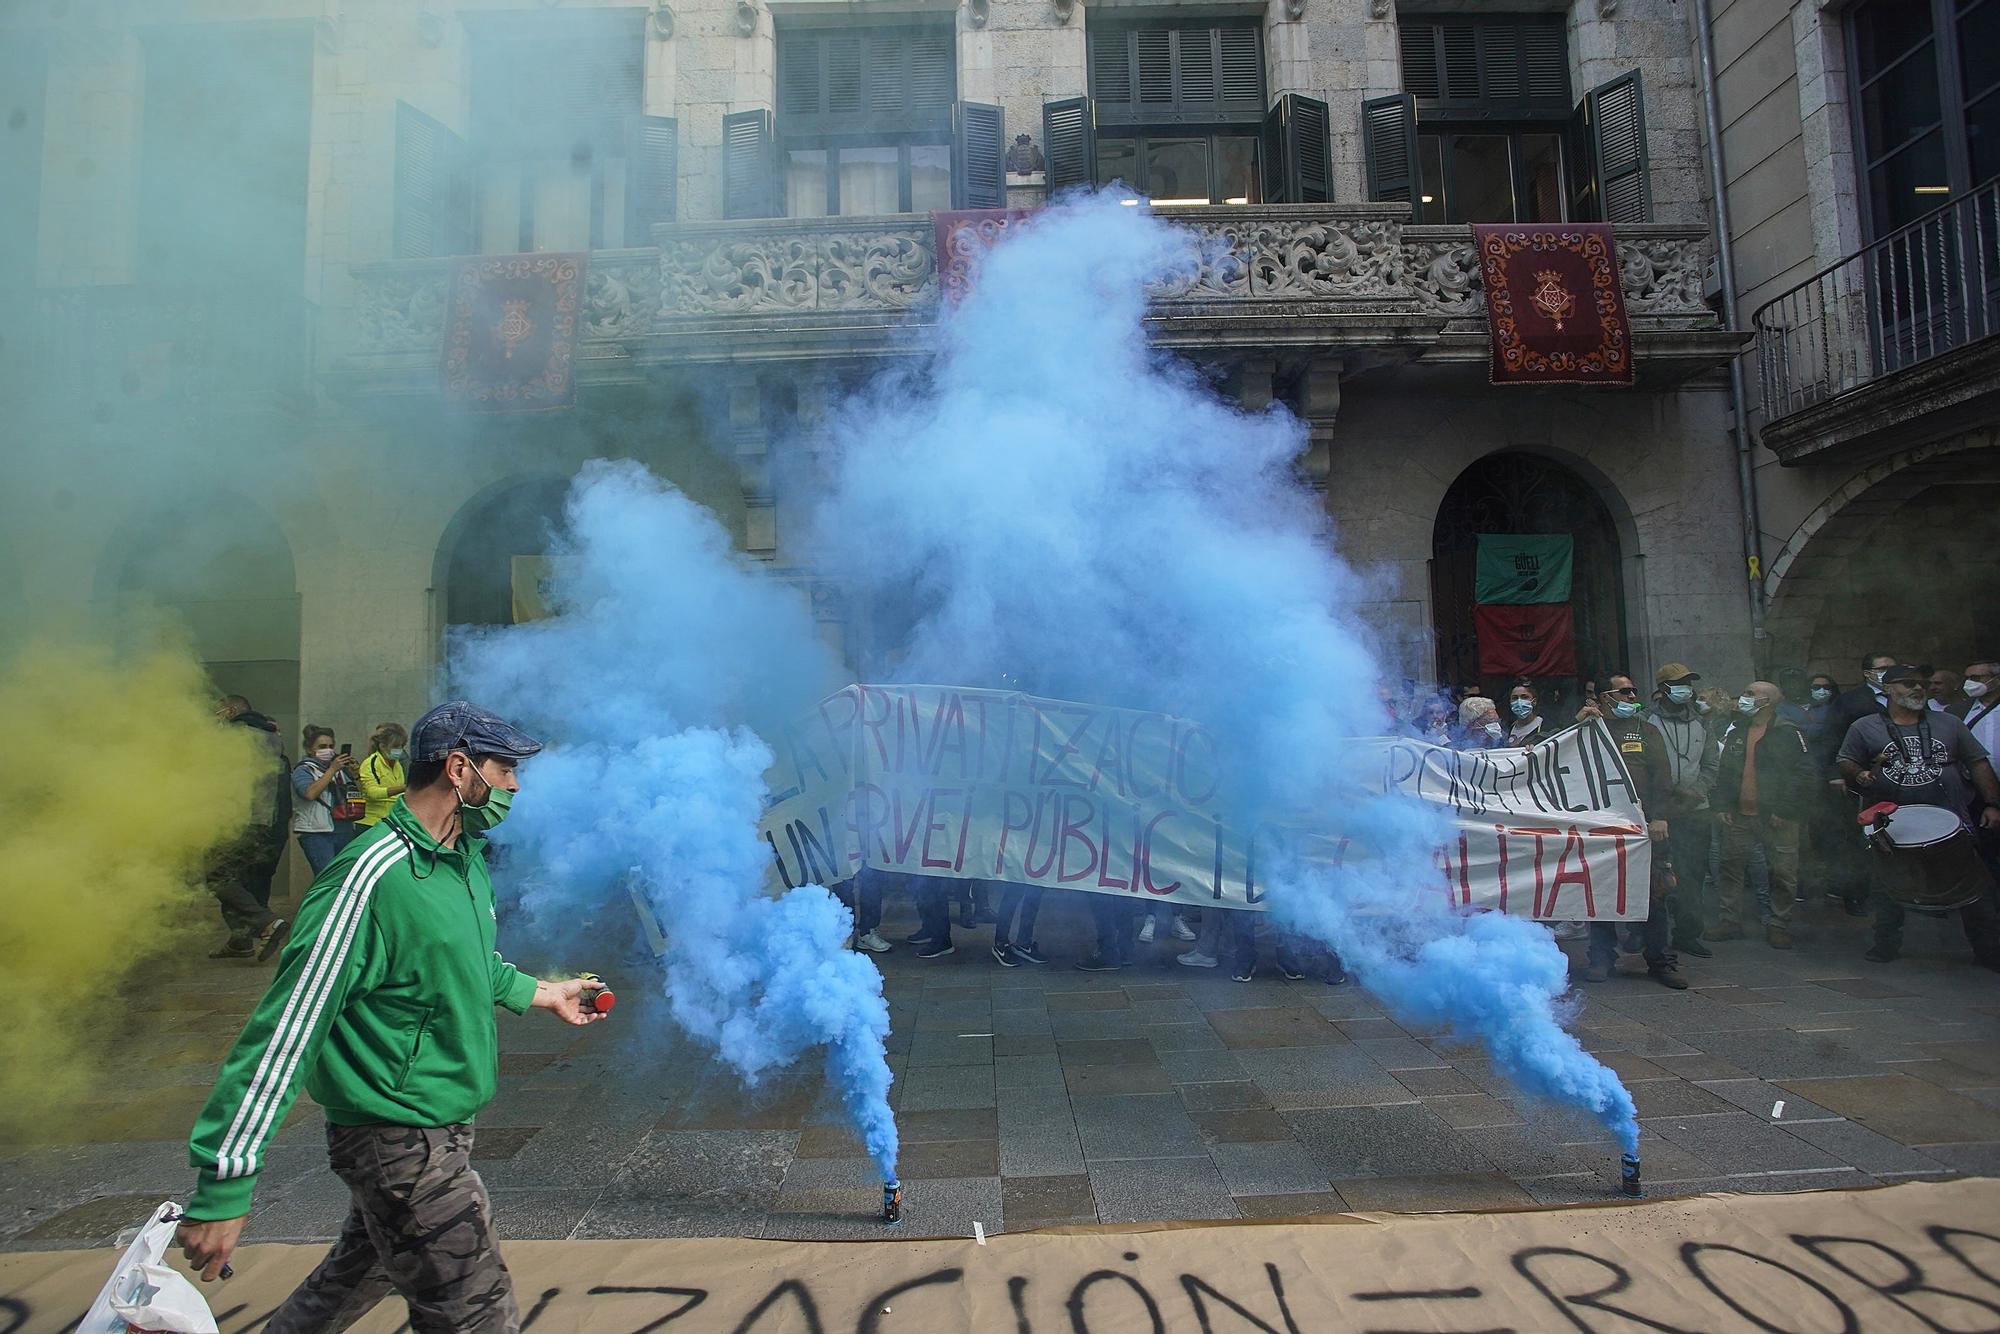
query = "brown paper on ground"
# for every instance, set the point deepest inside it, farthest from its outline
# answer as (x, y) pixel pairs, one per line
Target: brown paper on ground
(1894, 1258)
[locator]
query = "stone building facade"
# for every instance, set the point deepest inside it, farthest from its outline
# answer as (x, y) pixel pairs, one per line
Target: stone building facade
(229, 247)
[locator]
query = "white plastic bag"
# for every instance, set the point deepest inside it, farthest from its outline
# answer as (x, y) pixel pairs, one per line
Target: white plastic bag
(144, 1293)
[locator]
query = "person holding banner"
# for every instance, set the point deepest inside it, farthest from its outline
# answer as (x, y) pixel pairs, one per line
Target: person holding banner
(1644, 752)
(1526, 705)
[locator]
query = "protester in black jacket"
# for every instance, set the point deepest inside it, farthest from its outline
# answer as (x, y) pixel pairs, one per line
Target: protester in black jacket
(1764, 779)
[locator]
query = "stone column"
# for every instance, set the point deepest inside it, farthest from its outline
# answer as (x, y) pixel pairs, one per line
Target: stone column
(1319, 406)
(1612, 37)
(717, 69)
(1019, 54)
(1341, 52)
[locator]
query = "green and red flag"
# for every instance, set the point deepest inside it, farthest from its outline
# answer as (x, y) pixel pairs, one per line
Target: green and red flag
(1522, 568)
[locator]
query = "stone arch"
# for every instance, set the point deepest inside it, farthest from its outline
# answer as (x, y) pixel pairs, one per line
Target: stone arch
(1872, 566)
(1539, 489)
(220, 569)
(473, 570)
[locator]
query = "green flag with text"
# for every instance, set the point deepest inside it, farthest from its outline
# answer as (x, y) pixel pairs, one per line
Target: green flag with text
(1518, 568)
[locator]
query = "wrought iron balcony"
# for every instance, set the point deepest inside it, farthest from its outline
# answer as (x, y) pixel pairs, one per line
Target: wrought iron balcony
(1911, 314)
(1312, 274)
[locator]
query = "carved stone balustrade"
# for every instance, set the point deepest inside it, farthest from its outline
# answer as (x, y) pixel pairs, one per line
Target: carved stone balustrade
(1319, 278)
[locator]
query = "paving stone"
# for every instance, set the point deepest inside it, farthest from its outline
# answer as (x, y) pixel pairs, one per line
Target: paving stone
(1435, 1081)
(312, 1209)
(1865, 987)
(1400, 1053)
(944, 1087)
(1023, 1044)
(95, 1222)
(1904, 1108)
(1252, 1030)
(1631, 1067)
(1084, 1025)
(1127, 1051)
(1267, 1167)
(1859, 1147)
(500, 1143)
(1242, 1126)
(1384, 1141)
(1202, 1067)
(1045, 1201)
(943, 1208)
(829, 1140)
(1223, 1096)
(1737, 1142)
(949, 1124)
(1560, 1122)
(932, 1160)
(1159, 1188)
(1780, 1053)
(1179, 1010)
(1973, 1159)
(539, 1213)
(1433, 1193)
(722, 1171)
(1981, 1056)
(1945, 1074)
(1043, 1071)
(1466, 1110)
(1185, 1037)
(1062, 1002)
(1700, 1067)
(1299, 1077)
(1292, 1204)
(1673, 1097)
(1104, 1080)
(934, 1049)
(1374, 1026)
(577, 1155)
(1039, 1142)
(1524, 1152)
(1345, 1002)
(1142, 1125)
(1757, 1097)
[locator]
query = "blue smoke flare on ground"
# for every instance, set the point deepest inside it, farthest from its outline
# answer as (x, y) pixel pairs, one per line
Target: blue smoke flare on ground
(667, 652)
(1053, 502)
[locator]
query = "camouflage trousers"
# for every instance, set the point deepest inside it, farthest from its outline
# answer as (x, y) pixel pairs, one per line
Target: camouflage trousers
(421, 1227)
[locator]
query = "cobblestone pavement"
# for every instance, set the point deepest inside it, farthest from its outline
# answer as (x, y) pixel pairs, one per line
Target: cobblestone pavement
(1035, 1097)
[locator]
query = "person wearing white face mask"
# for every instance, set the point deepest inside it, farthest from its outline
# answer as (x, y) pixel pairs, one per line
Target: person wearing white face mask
(1643, 750)
(1479, 724)
(1526, 707)
(1764, 780)
(323, 795)
(1681, 716)
(381, 774)
(1982, 713)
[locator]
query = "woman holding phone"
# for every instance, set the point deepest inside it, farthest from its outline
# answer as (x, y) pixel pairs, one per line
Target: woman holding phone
(325, 802)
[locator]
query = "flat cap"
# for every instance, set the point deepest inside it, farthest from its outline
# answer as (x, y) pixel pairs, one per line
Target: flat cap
(462, 725)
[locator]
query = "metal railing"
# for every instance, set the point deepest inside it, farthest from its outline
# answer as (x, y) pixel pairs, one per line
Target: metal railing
(1930, 288)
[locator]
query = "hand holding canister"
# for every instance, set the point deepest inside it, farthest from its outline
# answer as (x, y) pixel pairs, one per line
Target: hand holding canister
(597, 995)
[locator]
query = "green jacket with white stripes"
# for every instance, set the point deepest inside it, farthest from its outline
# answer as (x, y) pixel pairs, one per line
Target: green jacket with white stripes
(382, 1008)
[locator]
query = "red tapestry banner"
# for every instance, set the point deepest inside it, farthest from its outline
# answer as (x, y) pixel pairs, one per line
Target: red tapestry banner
(963, 238)
(1554, 304)
(510, 331)
(1533, 639)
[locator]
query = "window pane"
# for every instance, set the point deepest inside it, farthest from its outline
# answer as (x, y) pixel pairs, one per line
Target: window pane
(1886, 29)
(870, 182)
(1542, 165)
(1978, 40)
(1430, 167)
(1905, 187)
(1236, 169)
(805, 183)
(930, 177)
(1898, 105)
(1482, 178)
(1117, 160)
(1982, 136)
(1177, 169)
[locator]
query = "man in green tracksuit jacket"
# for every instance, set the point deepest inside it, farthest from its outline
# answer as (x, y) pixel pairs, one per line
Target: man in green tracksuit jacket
(382, 1009)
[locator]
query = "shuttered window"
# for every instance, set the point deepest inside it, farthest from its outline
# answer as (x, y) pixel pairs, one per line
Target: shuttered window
(1500, 68)
(868, 80)
(1177, 74)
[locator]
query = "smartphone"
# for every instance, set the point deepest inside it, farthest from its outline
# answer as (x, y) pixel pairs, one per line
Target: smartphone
(347, 749)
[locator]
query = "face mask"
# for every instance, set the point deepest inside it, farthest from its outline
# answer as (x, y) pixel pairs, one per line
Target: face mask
(1746, 704)
(1973, 689)
(1822, 694)
(324, 754)
(478, 819)
(1522, 707)
(1626, 708)
(1680, 694)
(1701, 706)
(1493, 729)
(1874, 677)
(396, 754)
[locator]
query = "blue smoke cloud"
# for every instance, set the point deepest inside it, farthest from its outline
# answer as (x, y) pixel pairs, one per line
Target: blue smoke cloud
(1055, 503)
(667, 652)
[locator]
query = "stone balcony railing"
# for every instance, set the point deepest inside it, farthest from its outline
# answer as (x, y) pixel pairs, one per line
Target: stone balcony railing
(836, 279)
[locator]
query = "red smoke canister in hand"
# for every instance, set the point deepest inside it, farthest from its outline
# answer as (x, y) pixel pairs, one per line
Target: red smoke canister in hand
(597, 996)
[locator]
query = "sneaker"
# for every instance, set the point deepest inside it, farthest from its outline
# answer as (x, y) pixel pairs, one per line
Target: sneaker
(236, 947)
(1182, 931)
(1670, 978)
(1876, 954)
(1695, 948)
(1596, 972)
(1854, 907)
(872, 942)
(1290, 974)
(1245, 975)
(1146, 932)
(1196, 959)
(1005, 957)
(1335, 975)
(936, 950)
(274, 938)
(1028, 953)
(919, 940)
(1777, 937)
(1097, 963)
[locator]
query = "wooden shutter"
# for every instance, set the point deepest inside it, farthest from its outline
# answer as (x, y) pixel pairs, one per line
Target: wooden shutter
(1487, 68)
(1177, 73)
(652, 176)
(748, 175)
(1297, 165)
(1389, 141)
(1614, 135)
(1069, 138)
(866, 79)
(433, 198)
(978, 156)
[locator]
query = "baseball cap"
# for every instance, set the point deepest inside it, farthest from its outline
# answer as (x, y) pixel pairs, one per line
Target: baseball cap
(1675, 671)
(1901, 672)
(462, 725)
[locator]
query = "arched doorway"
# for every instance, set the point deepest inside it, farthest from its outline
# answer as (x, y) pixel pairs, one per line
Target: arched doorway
(489, 564)
(1514, 492)
(219, 570)
(1895, 561)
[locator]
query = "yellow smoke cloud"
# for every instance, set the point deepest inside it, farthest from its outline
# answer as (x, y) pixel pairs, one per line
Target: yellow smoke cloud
(117, 779)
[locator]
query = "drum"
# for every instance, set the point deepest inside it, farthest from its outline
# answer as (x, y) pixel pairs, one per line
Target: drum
(1926, 858)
